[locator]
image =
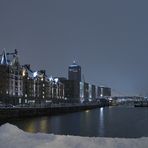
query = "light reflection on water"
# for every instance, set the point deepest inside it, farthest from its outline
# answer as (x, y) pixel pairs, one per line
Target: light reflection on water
(83, 123)
(37, 126)
(106, 122)
(31, 127)
(101, 122)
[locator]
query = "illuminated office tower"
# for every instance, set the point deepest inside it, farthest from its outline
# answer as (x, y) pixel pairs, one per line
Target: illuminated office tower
(74, 72)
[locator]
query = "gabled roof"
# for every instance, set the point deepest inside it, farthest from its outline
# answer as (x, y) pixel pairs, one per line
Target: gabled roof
(9, 58)
(15, 61)
(4, 60)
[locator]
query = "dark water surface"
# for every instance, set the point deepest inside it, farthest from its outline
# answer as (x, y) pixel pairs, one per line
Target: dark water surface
(126, 122)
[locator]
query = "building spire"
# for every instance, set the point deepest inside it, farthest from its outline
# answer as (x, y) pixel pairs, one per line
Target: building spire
(4, 58)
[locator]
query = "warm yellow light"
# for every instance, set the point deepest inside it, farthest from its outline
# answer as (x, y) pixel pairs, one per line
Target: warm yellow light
(24, 73)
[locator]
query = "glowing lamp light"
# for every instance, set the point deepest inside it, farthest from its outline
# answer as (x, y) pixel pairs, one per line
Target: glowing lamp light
(24, 73)
(56, 80)
(35, 74)
(90, 100)
(50, 78)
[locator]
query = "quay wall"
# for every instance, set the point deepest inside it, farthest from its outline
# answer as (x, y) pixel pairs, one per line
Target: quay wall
(7, 113)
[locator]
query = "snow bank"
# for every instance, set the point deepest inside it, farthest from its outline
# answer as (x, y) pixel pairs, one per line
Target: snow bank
(12, 137)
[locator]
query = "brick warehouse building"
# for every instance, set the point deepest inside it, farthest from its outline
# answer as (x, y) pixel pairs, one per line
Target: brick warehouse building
(20, 85)
(11, 84)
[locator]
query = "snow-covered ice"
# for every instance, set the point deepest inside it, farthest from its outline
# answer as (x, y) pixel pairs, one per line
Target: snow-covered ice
(13, 137)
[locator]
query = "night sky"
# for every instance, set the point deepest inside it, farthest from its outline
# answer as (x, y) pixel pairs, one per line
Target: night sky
(108, 38)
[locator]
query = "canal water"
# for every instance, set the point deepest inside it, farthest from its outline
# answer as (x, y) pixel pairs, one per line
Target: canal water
(127, 122)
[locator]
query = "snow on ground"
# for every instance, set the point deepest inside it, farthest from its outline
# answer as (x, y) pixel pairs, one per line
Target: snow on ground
(13, 137)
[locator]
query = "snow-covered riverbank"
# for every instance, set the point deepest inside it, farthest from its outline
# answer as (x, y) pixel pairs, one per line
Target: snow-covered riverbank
(13, 137)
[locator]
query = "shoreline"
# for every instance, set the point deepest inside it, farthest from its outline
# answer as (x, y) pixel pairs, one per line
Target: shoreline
(20, 112)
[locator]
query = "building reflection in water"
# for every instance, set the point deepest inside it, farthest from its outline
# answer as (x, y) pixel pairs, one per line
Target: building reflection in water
(87, 123)
(40, 125)
(101, 121)
(30, 127)
(44, 125)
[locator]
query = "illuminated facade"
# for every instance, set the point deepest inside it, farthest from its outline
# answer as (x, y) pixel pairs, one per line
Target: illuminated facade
(79, 91)
(11, 84)
(74, 72)
(22, 85)
(39, 87)
(19, 84)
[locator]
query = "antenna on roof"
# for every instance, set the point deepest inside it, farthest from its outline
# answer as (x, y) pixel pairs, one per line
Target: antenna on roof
(83, 78)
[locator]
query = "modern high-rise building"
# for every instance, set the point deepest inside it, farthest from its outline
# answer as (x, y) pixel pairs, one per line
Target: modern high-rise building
(74, 72)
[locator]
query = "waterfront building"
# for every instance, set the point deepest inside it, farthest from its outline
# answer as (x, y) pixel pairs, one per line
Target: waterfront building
(74, 72)
(81, 91)
(22, 85)
(41, 85)
(11, 86)
(39, 88)
(28, 82)
(93, 92)
(36, 86)
(57, 88)
(72, 90)
(103, 91)
(86, 91)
